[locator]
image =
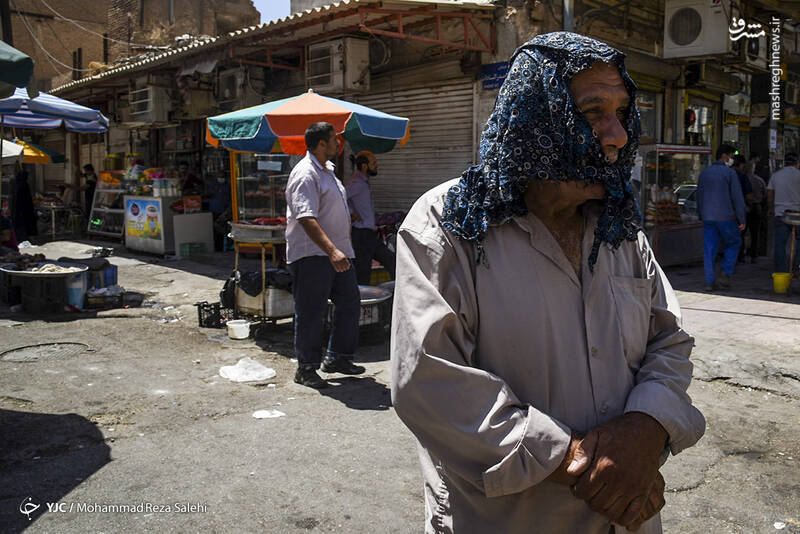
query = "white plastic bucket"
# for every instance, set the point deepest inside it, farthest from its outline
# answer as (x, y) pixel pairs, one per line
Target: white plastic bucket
(75, 285)
(238, 329)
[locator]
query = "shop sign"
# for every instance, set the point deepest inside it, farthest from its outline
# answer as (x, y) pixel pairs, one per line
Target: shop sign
(492, 75)
(143, 218)
(192, 203)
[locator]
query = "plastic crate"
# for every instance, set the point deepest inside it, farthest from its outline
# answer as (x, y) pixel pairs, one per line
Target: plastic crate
(106, 277)
(42, 295)
(187, 250)
(213, 315)
(10, 292)
(100, 302)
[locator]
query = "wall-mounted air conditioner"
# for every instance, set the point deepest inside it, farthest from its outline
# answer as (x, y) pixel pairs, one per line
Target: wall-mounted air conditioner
(338, 66)
(148, 103)
(229, 89)
(754, 53)
(694, 28)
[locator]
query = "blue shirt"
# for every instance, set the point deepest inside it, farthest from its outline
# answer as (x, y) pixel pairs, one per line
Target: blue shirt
(719, 194)
(359, 197)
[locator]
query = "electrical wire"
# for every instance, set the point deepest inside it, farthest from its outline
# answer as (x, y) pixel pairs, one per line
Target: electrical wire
(62, 17)
(50, 58)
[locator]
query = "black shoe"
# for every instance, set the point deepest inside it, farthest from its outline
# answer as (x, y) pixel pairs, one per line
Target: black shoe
(341, 366)
(307, 376)
(709, 288)
(724, 281)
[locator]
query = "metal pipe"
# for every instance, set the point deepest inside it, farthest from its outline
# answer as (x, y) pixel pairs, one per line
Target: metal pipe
(569, 15)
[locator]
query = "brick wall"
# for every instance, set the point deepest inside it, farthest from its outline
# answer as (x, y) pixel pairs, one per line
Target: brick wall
(58, 36)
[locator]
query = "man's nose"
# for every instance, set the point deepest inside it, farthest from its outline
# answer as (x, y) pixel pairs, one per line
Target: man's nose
(612, 133)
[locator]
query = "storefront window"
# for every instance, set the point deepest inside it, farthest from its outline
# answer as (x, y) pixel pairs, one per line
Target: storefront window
(699, 120)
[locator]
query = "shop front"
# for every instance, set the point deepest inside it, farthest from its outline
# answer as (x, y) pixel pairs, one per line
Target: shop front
(668, 194)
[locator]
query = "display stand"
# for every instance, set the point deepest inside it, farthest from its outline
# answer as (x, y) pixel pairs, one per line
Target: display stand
(272, 303)
(108, 213)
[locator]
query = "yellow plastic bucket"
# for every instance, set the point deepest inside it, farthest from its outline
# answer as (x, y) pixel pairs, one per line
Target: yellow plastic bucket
(781, 281)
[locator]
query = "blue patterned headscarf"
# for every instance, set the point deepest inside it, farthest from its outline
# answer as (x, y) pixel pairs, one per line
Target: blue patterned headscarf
(537, 132)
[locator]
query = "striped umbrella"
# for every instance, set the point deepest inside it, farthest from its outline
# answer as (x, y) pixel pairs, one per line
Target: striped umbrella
(280, 126)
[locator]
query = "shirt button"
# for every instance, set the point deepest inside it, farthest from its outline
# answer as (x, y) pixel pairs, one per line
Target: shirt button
(594, 351)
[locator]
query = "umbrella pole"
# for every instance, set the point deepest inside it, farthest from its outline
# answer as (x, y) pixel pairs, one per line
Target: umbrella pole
(2, 141)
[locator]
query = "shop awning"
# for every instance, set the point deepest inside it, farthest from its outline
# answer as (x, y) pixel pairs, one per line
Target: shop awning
(16, 71)
(10, 150)
(284, 122)
(36, 154)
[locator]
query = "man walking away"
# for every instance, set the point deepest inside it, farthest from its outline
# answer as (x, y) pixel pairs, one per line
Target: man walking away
(783, 193)
(721, 207)
(367, 242)
(739, 164)
(318, 251)
(757, 209)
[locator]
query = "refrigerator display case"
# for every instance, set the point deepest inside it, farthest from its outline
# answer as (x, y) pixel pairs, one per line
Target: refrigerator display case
(668, 200)
(259, 185)
(149, 223)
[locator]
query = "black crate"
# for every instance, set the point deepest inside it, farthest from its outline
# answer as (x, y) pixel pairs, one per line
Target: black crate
(42, 295)
(213, 315)
(10, 292)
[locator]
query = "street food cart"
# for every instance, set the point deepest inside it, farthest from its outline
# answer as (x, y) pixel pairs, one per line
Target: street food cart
(670, 214)
(265, 142)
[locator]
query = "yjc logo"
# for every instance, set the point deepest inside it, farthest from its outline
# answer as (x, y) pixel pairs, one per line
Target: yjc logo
(27, 507)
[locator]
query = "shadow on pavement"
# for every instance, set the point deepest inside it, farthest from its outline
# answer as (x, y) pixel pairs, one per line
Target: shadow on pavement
(42, 458)
(358, 393)
(750, 281)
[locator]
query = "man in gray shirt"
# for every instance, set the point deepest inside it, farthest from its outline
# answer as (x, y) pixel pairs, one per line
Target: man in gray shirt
(367, 242)
(783, 193)
(537, 350)
(319, 252)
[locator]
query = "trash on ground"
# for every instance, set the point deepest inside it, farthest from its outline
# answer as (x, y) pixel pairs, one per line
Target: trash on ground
(106, 291)
(167, 308)
(246, 370)
(779, 525)
(267, 414)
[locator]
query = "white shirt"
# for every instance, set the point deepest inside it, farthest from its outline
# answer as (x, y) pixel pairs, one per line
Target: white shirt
(313, 190)
(786, 184)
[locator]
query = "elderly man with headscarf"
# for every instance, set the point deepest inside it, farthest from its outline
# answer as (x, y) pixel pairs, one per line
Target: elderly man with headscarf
(537, 349)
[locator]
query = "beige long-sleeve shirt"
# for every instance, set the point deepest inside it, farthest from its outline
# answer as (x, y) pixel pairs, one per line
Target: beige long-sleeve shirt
(494, 365)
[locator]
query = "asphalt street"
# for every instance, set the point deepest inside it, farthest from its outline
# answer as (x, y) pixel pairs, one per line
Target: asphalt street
(136, 431)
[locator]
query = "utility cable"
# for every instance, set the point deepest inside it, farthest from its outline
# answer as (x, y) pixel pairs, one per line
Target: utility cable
(50, 58)
(71, 21)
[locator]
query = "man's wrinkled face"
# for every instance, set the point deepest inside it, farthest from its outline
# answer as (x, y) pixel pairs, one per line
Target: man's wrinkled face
(600, 95)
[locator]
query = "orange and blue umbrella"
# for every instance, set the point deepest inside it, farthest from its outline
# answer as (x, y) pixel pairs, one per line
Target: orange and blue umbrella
(280, 126)
(36, 154)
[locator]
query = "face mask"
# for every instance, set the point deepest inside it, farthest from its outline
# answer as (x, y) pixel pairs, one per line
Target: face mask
(220, 180)
(729, 162)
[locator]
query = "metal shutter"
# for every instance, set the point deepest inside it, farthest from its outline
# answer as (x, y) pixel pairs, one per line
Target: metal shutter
(440, 146)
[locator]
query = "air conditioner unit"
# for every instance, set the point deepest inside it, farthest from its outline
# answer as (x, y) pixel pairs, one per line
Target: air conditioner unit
(754, 54)
(338, 66)
(792, 93)
(695, 28)
(229, 89)
(149, 104)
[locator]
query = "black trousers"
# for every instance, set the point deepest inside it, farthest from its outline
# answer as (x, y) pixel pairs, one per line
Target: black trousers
(368, 245)
(754, 218)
